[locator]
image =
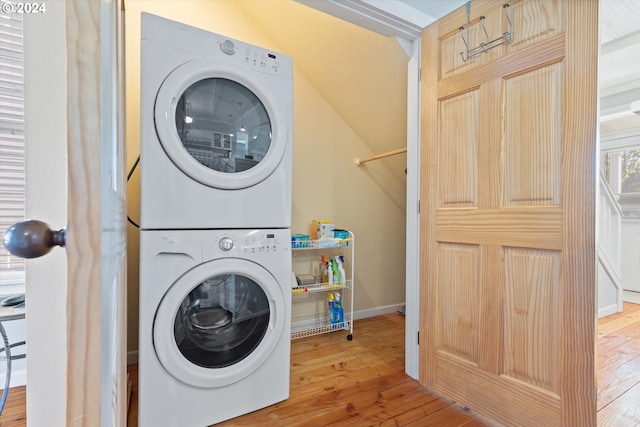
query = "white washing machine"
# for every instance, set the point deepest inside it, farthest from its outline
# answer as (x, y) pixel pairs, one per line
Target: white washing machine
(215, 324)
(216, 120)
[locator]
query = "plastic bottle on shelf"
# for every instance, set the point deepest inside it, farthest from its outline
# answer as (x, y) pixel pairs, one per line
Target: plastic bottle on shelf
(331, 311)
(329, 274)
(337, 309)
(343, 276)
(336, 272)
(324, 269)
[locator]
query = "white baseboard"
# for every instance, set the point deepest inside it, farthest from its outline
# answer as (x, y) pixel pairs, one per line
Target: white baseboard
(377, 311)
(631, 296)
(18, 378)
(605, 311)
(132, 356)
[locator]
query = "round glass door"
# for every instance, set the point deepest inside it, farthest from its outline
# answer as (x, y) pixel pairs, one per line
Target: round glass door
(220, 125)
(223, 125)
(219, 322)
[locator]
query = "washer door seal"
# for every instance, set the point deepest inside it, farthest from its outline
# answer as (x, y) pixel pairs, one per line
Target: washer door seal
(164, 341)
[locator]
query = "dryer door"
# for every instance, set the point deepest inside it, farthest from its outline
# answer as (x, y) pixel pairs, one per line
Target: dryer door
(219, 322)
(220, 125)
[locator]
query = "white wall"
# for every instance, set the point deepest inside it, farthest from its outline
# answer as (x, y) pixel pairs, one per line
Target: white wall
(607, 292)
(631, 256)
(609, 268)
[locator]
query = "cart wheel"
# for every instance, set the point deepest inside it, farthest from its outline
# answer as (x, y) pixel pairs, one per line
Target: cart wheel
(349, 337)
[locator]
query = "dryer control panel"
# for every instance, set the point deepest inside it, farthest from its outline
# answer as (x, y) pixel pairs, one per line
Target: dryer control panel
(206, 44)
(256, 58)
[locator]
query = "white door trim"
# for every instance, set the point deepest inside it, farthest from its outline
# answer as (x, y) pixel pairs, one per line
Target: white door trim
(412, 287)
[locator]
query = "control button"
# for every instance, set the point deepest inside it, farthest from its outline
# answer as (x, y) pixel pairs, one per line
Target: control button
(228, 47)
(226, 243)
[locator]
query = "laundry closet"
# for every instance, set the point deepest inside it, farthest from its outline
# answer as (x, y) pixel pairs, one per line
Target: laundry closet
(349, 98)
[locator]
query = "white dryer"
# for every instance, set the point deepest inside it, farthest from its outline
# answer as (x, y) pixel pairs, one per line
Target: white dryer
(216, 120)
(215, 315)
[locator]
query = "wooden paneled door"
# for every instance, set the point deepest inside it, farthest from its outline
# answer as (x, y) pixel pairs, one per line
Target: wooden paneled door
(508, 181)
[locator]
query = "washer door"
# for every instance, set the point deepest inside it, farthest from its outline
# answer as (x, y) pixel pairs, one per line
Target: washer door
(219, 322)
(219, 125)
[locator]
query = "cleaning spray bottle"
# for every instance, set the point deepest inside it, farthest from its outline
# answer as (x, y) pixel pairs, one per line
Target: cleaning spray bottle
(337, 309)
(336, 272)
(329, 273)
(331, 311)
(343, 276)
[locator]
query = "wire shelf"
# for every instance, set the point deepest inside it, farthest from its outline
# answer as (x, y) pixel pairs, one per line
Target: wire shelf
(315, 324)
(321, 244)
(310, 297)
(320, 287)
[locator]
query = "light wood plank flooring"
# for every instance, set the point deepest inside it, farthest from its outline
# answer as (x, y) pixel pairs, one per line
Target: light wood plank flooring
(361, 382)
(335, 382)
(15, 410)
(618, 361)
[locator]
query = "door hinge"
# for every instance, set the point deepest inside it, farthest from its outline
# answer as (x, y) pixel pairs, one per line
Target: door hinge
(418, 206)
(418, 337)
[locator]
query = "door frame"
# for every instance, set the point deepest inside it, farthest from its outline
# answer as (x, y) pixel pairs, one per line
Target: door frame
(76, 321)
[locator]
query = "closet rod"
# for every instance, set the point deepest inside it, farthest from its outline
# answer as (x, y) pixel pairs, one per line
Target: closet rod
(381, 156)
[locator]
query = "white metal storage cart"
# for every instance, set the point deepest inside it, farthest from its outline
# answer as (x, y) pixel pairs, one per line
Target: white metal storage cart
(310, 311)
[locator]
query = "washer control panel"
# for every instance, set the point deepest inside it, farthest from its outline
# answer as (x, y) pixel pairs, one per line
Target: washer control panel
(260, 242)
(252, 241)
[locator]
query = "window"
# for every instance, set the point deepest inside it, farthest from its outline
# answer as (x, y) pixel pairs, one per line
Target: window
(12, 176)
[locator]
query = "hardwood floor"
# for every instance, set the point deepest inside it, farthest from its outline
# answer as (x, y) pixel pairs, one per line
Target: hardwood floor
(618, 361)
(362, 382)
(335, 382)
(15, 409)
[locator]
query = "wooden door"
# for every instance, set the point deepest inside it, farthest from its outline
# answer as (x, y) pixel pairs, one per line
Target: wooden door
(508, 181)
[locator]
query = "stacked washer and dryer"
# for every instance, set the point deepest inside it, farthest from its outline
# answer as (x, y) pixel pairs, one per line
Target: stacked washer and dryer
(215, 216)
